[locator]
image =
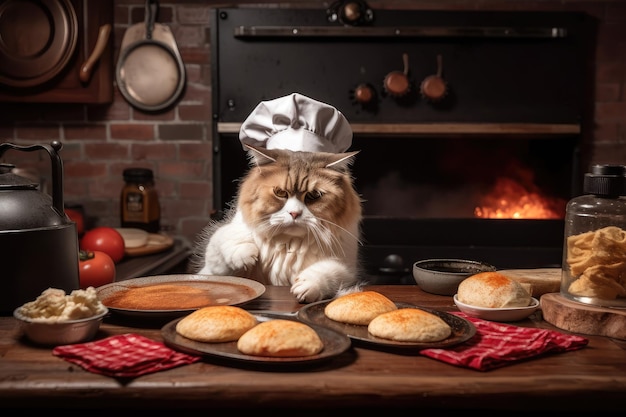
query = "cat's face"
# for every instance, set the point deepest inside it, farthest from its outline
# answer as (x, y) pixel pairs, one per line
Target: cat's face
(293, 192)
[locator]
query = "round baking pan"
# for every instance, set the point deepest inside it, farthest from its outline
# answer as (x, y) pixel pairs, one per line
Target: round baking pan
(37, 40)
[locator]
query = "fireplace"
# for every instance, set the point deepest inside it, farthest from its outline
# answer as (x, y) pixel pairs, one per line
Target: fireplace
(482, 172)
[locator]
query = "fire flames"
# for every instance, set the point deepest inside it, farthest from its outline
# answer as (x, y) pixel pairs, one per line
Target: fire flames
(510, 199)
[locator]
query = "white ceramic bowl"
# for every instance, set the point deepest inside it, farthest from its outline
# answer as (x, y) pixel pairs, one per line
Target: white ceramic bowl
(443, 276)
(498, 314)
(61, 332)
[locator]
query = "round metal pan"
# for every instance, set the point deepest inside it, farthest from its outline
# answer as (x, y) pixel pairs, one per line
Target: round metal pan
(150, 71)
(37, 40)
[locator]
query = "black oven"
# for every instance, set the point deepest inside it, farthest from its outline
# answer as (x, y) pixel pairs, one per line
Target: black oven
(482, 172)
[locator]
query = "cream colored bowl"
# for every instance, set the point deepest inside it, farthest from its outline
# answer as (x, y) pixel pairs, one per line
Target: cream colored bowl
(498, 314)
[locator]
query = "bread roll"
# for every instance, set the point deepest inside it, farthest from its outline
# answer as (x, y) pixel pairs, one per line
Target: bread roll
(280, 338)
(216, 324)
(409, 325)
(359, 307)
(493, 290)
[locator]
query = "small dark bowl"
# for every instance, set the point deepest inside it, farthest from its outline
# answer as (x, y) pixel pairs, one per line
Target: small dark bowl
(443, 276)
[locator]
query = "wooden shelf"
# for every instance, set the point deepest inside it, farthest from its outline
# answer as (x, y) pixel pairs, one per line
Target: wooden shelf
(430, 129)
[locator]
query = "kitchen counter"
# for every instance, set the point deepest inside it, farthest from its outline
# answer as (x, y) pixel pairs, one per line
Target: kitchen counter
(169, 261)
(592, 379)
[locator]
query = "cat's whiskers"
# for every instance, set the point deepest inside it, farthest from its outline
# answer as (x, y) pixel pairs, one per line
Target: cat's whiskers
(325, 239)
(344, 229)
(322, 236)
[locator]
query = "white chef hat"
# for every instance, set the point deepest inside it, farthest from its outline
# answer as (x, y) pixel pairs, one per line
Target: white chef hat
(297, 123)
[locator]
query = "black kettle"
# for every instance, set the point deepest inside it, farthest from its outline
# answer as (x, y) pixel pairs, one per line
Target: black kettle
(38, 241)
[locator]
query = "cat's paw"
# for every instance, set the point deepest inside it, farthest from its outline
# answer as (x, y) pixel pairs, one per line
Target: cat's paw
(306, 292)
(242, 256)
(309, 287)
(322, 280)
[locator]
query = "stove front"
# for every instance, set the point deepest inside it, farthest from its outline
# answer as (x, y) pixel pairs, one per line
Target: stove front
(479, 170)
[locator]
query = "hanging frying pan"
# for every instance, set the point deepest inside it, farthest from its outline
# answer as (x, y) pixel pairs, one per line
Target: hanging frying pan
(150, 71)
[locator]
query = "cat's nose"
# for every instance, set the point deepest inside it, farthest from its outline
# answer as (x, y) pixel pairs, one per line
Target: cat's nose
(295, 214)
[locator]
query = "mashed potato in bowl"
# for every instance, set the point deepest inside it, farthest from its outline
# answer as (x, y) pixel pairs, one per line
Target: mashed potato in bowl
(54, 305)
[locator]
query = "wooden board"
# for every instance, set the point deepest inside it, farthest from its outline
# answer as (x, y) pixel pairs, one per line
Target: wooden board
(156, 243)
(577, 317)
(542, 280)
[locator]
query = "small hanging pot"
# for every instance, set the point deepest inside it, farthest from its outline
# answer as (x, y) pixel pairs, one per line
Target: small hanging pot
(364, 94)
(434, 87)
(150, 71)
(397, 83)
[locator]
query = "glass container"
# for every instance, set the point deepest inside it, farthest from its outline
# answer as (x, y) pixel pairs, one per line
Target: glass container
(139, 201)
(594, 249)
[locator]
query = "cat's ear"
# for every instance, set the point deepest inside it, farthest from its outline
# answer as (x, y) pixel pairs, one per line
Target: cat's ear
(259, 156)
(341, 161)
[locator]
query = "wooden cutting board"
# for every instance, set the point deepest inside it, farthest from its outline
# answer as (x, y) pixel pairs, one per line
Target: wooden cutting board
(582, 318)
(156, 243)
(541, 280)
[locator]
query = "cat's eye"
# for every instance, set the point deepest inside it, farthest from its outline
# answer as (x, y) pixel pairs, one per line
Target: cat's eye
(280, 193)
(313, 195)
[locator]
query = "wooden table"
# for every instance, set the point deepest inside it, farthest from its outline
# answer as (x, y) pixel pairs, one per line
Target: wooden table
(592, 379)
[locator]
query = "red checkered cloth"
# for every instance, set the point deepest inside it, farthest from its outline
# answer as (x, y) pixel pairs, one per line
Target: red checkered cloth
(497, 344)
(124, 356)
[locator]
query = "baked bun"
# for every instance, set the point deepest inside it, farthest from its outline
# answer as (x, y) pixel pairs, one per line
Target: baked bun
(358, 307)
(493, 290)
(216, 324)
(280, 338)
(409, 325)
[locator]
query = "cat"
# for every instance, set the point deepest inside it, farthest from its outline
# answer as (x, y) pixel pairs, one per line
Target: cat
(295, 221)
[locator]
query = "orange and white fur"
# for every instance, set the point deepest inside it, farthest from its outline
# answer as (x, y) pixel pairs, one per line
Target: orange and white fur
(295, 221)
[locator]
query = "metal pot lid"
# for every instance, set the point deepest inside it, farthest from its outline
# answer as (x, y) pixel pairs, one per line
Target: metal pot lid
(37, 40)
(11, 181)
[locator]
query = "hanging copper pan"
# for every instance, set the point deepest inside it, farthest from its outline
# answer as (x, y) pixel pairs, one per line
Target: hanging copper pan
(434, 87)
(397, 83)
(37, 40)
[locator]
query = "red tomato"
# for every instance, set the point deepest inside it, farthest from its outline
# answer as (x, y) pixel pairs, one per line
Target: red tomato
(95, 269)
(77, 217)
(104, 239)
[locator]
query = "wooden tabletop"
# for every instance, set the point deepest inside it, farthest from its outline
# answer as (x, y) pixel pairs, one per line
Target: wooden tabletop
(363, 379)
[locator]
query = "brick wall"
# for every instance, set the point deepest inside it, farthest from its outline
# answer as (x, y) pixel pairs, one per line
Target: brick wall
(100, 141)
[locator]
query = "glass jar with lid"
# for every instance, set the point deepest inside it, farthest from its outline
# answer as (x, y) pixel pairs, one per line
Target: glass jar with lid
(139, 201)
(594, 250)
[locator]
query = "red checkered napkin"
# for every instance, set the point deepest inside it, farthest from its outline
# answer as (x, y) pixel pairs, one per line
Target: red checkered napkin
(124, 356)
(496, 345)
